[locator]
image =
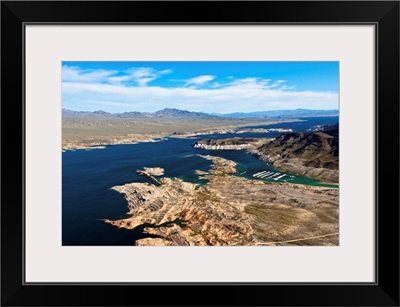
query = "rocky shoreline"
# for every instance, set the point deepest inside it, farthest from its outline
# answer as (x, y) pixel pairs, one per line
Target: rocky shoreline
(297, 167)
(96, 143)
(231, 210)
(314, 154)
(233, 131)
(230, 144)
(92, 142)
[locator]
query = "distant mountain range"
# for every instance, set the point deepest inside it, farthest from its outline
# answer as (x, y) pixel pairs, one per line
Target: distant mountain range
(167, 112)
(282, 113)
(171, 113)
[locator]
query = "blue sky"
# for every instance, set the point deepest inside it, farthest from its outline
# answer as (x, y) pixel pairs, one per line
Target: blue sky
(213, 87)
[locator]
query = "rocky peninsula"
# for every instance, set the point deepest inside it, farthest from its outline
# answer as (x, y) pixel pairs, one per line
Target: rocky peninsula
(314, 154)
(230, 210)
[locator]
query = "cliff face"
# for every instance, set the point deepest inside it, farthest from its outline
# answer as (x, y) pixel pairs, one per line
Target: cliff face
(314, 154)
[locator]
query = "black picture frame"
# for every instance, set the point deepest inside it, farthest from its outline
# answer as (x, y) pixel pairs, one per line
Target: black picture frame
(383, 14)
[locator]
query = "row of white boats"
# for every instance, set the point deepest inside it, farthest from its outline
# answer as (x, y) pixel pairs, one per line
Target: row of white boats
(270, 175)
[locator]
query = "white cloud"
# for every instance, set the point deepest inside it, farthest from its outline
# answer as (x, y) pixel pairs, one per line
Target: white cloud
(239, 98)
(200, 80)
(73, 73)
(258, 83)
(165, 71)
(116, 91)
(140, 75)
(119, 79)
(144, 75)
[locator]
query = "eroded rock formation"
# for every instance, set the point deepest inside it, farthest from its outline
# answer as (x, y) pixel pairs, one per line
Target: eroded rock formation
(231, 210)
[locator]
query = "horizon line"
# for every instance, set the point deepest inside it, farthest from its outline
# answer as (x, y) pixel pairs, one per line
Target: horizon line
(167, 108)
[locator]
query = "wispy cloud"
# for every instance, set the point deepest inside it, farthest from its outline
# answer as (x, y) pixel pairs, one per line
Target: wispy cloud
(144, 75)
(260, 83)
(75, 74)
(200, 80)
(119, 79)
(139, 75)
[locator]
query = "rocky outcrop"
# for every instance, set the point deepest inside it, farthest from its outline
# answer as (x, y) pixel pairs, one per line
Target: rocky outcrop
(330, 128)
(230, 144)
(222, 147)
(230, 211)
(314, 154)
(151, 172)
(317, 149)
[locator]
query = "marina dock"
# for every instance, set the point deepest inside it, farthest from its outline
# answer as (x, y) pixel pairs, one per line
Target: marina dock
(269, 175)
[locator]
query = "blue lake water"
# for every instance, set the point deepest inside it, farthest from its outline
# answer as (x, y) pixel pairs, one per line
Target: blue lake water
(88, 175)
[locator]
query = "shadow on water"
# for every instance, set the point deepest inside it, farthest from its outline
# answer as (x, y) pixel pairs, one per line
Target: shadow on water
(137, 232)
(140, 228)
